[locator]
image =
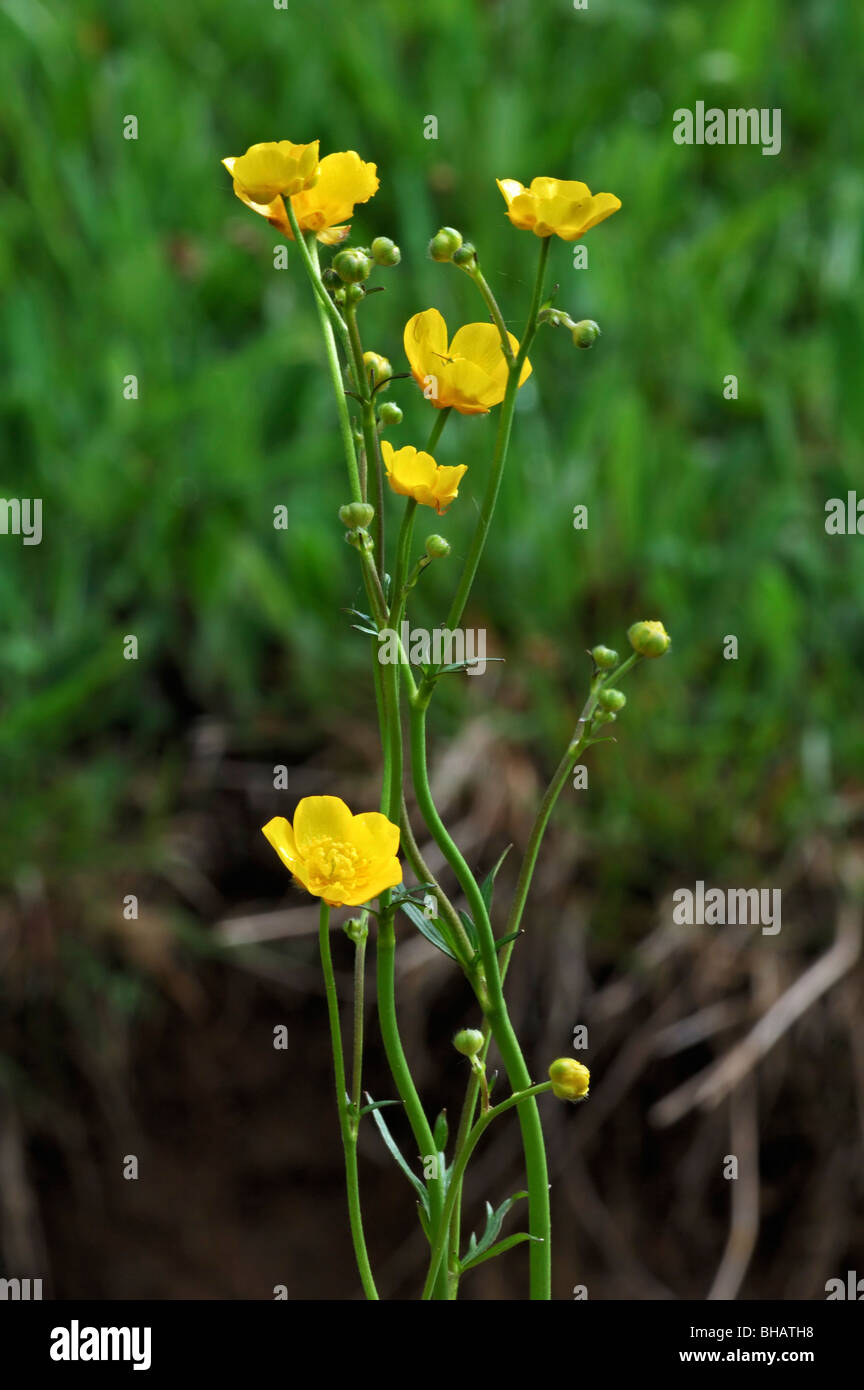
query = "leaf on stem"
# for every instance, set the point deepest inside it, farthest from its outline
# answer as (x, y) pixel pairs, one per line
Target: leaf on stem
(488, 884)
(494, 1222)
(431, 928)
(506, 1244)
(396, 1152)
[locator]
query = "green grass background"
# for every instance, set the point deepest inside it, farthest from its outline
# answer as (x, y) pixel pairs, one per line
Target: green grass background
(123, 257)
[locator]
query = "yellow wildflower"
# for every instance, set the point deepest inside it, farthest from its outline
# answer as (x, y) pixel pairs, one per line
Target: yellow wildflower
(556, 207)
(343, 180)
(412, 473)
(469, 374)
(278, 166)
(345, 859)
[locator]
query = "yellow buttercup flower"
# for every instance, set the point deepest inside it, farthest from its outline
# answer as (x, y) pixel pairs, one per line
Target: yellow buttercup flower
(469, 374)
(343, 180)
(347, 860)
(278, 166)
(556, 207)
(411, 473)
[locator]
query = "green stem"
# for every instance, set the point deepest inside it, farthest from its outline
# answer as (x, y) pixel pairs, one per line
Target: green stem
(308, 248)
(424, 874)
(502, 444)
(347, 1121)
(460, 1163)
(396, 1059)
(553, 791)
(371, 442)
(403, 554)
(359, 1011)
(489, 991)
(482, 284)
(310, 261)
(438, 428)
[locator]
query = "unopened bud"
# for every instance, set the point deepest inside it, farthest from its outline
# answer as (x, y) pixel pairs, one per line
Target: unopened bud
(605, 658)
(352, 265)
(356, 929)
(465, 256)
(377, 367)
(469, 1041)
(437, 547)
(444, 243)
(611, 699)
(585, 333)
(605, 716)
(330, 278)
(649, 638)
(353, 293)
(570, 1079)
(390, 413)
(385, 252)
(355, 514)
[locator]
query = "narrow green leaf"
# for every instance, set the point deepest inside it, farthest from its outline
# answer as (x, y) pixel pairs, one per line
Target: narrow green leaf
(488, 883)
(430, 928)
(502, 940)
(468, 924)
(494, 1221)
(397, 1154)
(506, 1244)
(377, 1105)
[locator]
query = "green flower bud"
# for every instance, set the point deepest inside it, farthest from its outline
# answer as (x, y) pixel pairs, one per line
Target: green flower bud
(353, 294)
(465, 256)
(605, 658)
(352, 265)
(356, 929)
(649, 638)
(330, 278)
(605, 716)
(377, 367)
(570, 1079)
(356, 514)
(390, 414)
(444, 243)
(469, 1041)
(385, 252)
(437, 547)
(585, 333)
(611, 699)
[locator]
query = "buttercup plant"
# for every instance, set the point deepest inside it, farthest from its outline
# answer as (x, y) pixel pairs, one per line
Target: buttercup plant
(352, 860)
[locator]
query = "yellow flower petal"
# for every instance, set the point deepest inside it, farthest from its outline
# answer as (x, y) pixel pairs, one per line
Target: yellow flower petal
(321, 818)
(275, 167)
(374, 835)
(344, 180)
(281, 836)
(384, 875)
